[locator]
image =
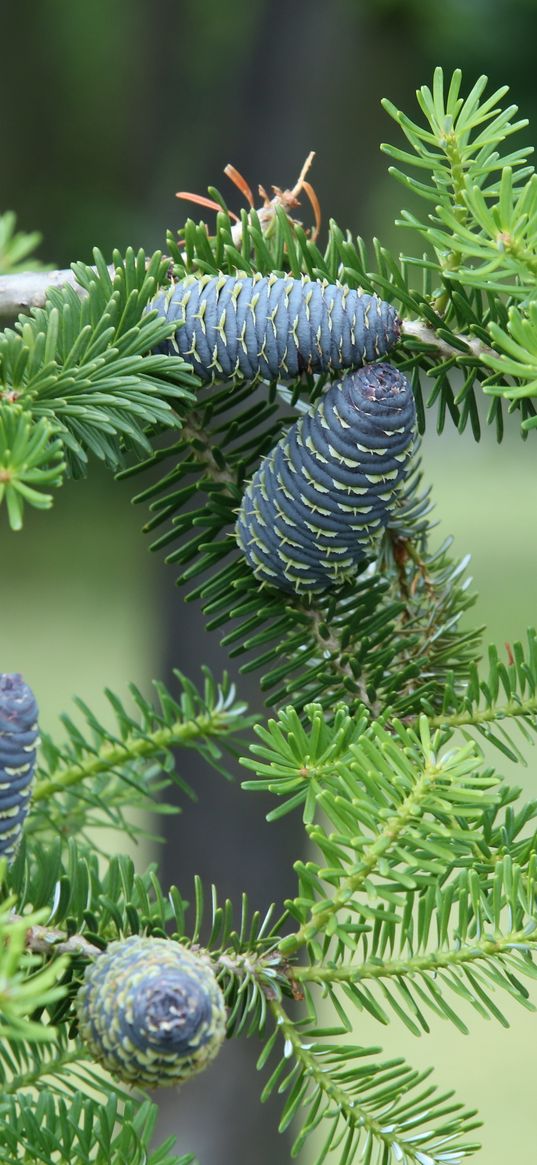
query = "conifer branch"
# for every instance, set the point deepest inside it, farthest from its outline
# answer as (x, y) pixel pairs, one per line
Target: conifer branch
(465, 346)
(26, 984)
(459, 955)
(372, 855)
(111, 756)
(512, 709)
(64, 1061)
(507, 692)
(26, 290)
(52, 1127)
(47, 940)
(353, 1114)
(383, 1107)
(100, 772)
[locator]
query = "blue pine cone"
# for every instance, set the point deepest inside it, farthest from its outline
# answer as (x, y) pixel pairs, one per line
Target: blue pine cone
(313, 508)
(18, 740)
(274, 327)
(151, 1011)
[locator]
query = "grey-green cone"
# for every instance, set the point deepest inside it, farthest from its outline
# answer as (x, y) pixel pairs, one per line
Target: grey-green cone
(151, 1011)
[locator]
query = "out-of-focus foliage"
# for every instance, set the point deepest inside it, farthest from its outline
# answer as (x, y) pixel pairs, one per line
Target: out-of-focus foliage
(16, 247)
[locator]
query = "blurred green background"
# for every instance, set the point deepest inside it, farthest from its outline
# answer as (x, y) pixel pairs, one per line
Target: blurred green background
(112, 108)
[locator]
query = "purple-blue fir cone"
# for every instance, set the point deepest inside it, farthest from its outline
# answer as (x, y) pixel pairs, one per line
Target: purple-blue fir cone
(19, 734)
(151, 1011)
(273, 327)
(316, 505)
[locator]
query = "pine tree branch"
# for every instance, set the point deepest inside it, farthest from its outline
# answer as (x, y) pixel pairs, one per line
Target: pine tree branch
(350, 885)
(353, 1114)
(510, 710)
(508, 691)
(65, 1061)
(45, 940)
(51, 1127)
(387, 1110)
(136, 747)
(419, 330)
(29, 289)
(253, 965)
(480, 948)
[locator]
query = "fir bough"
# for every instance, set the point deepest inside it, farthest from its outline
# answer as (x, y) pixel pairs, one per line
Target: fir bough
(417, 897)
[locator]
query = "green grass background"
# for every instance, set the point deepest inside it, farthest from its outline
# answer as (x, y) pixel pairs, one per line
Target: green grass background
(80, 599)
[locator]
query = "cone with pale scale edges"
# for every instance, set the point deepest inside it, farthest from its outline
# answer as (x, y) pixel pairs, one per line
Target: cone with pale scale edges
(19, 734)
(274, 327)
(318, 501)
(151, 1011)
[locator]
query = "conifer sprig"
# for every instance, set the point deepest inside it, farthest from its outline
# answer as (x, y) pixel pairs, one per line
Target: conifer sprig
(384, 1111)
(16, 246)
(48, 1126)
(102, 772)
(500, 705)
(84, 365)
(458, 150)
(26, 985)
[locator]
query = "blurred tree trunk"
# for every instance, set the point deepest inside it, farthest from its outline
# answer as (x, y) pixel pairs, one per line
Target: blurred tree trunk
(225, 838)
